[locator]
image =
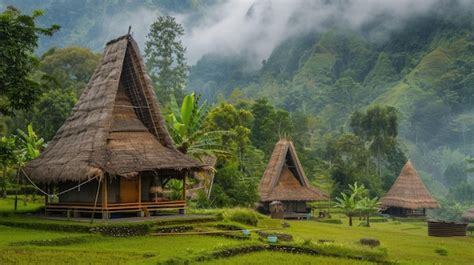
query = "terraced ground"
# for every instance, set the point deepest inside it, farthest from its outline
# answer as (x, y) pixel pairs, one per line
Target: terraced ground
(401, 243)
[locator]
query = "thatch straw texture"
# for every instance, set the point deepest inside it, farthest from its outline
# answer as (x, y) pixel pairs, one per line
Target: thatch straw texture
(408, 191)
(284, 178)
(116, 126)
(469, 215)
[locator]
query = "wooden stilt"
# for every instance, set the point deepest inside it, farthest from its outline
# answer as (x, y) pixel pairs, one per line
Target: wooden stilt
(105, 198)
(96, 198)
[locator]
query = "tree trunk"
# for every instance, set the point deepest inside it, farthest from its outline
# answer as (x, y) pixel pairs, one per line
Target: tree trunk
(16, 189)
(4, 186)
(350, 220)
(368, 220)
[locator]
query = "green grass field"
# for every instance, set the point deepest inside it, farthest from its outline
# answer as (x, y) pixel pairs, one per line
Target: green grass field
(7, 205)
(404, 243)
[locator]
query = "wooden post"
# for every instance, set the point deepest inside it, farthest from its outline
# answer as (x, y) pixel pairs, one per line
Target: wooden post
(184, 186)
(105, 212)
(139, 189)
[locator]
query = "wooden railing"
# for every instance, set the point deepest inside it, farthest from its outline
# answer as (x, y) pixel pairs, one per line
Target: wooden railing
(117, 207)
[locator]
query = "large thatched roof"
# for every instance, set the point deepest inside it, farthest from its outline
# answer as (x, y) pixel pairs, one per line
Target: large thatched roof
(408, 191)
(469, 215)
(116, 126)
(284, 178)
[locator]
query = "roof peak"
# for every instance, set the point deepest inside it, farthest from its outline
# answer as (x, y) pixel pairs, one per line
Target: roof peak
(126, 36)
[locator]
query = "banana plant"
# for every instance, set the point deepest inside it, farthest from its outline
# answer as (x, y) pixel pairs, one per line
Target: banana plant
(348, 204)
(29, 147)
(186, 126)
(29, 144)
(368, 206)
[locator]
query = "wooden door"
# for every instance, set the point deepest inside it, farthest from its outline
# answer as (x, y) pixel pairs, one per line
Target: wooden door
(128, 189)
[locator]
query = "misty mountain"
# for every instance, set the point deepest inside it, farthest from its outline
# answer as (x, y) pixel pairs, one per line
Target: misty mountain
(323, 58)
(424, 68)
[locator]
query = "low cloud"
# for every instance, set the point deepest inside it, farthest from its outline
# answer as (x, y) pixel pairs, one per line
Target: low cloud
(254, 28)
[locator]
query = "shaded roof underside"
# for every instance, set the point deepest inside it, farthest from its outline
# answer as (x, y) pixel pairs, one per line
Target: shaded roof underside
(409, 192)
(111, 130)
(284, 178)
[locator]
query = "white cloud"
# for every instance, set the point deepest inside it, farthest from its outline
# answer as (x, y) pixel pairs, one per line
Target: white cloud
(254, 27)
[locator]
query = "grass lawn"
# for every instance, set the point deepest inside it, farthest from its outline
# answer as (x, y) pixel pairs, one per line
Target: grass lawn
(405, 243)
(7, 205)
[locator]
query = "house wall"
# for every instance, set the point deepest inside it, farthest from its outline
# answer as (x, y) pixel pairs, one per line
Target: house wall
(146, 183)
(85, 193)
(295, 206)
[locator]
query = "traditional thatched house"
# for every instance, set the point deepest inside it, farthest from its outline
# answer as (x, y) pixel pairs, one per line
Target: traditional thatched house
(408, 196)
(469, 215)
(284, 180)
(114, 143)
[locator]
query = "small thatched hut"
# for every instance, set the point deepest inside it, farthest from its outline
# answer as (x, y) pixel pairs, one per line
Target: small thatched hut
(408, 196)
(284, 180)
(469, 215)
(114, 144)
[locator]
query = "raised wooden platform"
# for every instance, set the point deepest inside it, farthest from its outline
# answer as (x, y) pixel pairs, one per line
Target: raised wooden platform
(145, 207)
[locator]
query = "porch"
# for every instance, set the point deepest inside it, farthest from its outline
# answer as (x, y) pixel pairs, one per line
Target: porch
(143, 194)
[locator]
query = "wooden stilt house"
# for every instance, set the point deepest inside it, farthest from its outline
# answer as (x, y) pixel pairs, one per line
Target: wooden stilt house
(113, 153)
(408, 196)
(284, 180)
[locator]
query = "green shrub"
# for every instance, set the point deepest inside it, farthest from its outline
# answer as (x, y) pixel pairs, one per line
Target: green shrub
(122, 230)
(330, 221)
(441, 251)
(242, 215)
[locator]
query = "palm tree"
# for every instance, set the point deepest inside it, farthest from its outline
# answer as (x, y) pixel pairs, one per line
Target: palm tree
(368, 206)
(348, 204)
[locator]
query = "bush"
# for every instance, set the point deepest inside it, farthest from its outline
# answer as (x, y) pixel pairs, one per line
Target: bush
(123, 230)
(174, 229)
(242, 215)
(330, 221)
(441, 251)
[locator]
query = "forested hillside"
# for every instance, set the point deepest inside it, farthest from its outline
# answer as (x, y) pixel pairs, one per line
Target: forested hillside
(424, 70)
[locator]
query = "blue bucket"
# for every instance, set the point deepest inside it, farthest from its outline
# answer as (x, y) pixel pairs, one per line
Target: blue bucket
(272, 239)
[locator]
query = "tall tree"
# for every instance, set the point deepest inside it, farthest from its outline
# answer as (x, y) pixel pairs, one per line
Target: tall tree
(19, 37)
(379, 128)
(7, 158)
(164, 53)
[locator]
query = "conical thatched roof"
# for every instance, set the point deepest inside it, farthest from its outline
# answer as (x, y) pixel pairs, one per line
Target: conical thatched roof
(408, 191)
(284, 178)
(469, 215)
(116, 126)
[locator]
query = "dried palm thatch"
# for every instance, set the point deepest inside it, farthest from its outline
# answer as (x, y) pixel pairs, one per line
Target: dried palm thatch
(284, 178)
(409, 192)
(116, 126)
(469, 215)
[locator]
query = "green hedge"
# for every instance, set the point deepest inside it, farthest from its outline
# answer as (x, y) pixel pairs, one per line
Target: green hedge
(330, 221)
(115, 230)
(378, 255)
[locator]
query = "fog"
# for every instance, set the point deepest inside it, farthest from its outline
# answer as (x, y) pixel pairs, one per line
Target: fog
(254, 28)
